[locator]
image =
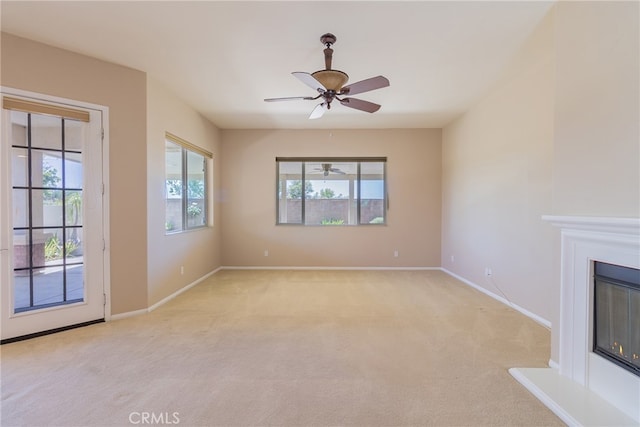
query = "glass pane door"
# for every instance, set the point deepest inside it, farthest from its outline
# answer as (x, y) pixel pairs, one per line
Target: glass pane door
(47, 196)
(53, 222)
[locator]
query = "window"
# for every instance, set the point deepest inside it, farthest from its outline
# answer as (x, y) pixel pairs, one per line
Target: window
(186, 188)
(331, 191)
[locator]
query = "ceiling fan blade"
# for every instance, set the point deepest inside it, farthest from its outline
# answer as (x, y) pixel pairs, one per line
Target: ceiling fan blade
(289, 98)
(359, 104)
(318, 111)
(365, 85)
(310, 81)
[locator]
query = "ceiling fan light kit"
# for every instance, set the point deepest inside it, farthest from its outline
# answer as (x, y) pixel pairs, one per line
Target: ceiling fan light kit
(330, 85)
(331, 79)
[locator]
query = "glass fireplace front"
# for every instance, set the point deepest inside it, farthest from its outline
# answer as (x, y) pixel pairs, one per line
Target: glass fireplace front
(617, 315)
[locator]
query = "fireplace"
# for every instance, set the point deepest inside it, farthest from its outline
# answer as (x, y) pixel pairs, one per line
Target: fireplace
(595, 380)
(616, 315)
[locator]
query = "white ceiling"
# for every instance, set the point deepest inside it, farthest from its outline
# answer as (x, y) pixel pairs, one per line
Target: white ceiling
(224, 58)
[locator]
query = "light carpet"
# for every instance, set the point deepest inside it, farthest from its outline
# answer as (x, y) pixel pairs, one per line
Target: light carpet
(288, 348)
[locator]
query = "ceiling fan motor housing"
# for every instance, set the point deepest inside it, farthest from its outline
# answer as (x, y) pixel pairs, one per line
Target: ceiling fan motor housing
(331, 79)
(328, 39)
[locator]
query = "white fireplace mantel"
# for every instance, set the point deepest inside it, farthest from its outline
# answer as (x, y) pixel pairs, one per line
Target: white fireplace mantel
(626, 228)
(586, 389)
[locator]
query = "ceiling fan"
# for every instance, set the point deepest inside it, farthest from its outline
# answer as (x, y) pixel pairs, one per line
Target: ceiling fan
(330, 85)
(326, 169)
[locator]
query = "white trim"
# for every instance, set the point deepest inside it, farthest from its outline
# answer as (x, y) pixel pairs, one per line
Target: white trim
(181, 290)
(583, 241)
(554, 365)
(574, 404)
(121, 316)
(163, 301)
(606, 225)
(258, 267)
(557, 409)
(103, 111)
(106, 217)
(42, 97)
(542, 321)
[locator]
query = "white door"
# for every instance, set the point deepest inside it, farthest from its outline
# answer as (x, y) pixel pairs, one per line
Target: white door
(51, 219)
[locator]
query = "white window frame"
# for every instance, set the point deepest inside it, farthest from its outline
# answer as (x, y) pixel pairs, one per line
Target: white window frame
(186, 148)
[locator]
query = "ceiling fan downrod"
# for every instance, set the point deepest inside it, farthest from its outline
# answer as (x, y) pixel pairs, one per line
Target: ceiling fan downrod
(328, 40)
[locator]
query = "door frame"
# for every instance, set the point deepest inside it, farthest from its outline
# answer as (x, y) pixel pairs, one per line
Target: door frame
(104, 111)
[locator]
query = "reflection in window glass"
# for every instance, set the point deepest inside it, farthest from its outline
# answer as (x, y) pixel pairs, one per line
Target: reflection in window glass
(331, 191)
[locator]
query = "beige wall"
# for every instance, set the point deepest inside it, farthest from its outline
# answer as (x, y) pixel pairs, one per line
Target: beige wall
(596, 160)
(497, 181)
(197, 251)
(249, 213)
(559, 135)
(36, 67)
(597, 138)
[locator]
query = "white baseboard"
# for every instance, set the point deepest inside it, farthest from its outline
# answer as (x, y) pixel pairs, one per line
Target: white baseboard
(258, 267)
(164, 300)
(121, 316)
(532, 316)
(181, 290)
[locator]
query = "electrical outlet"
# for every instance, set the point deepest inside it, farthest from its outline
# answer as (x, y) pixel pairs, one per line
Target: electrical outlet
(396, 254)
(487, 271)
(453, 259)
(182, 270)
(266, 252)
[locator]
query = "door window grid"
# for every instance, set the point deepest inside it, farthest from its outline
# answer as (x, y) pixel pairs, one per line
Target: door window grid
(44, 261)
